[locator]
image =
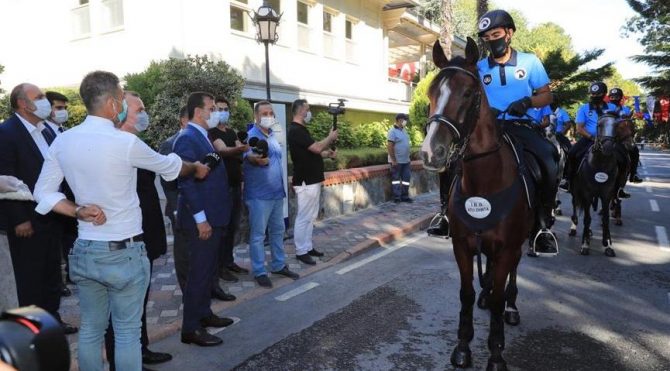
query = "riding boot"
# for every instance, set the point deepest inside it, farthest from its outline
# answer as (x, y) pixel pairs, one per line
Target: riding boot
(439, 225)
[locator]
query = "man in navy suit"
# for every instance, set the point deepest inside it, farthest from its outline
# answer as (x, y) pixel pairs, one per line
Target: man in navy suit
(203, 212)
(24, 142)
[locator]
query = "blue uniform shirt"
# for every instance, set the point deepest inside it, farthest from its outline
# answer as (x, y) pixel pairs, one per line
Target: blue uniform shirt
(562, 118)
(400, 139)
(512, 81)
(264, 182)
(538, 114)
(624, 111)
(587, 116)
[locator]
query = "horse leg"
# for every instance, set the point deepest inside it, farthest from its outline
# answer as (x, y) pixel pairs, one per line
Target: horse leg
(496, 340)
(512, 317)
(586, 234)
(461, 356)
(483, 300)
(607, 240)
(574, 219)
(617, 211)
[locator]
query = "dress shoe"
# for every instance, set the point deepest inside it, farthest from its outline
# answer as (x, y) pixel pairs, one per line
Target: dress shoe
(264, 281)
(315, 252)
(219, 294)
(152, 358)
(64, 291)
(216, 321)
(68, 329)
(228, 276)
(408, 200)
(623, 194)
(287, 273)
(636, 179)
(200, 337)
(305, 258)
(237, 269)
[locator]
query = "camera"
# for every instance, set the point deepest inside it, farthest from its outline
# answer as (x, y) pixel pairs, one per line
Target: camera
(337, 108)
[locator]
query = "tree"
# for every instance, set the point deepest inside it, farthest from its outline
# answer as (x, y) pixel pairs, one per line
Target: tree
(652, 26)
(465, 19)
(4, 101)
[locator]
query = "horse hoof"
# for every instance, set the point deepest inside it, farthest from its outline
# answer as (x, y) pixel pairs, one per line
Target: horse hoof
(572, 233)
(610, 252)
(500, 365)
(461, 358)
(512, 317)
(585, 251)
(618, 222)
(483, 301)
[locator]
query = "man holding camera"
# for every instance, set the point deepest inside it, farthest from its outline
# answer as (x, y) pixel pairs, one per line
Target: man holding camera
(307, 156)
(264, 196)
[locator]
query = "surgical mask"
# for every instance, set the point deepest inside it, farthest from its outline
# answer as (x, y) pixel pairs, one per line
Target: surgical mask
(124, 112)
(267, 122)
(497, 47)
(224, 116)
(42, 108)
(403, 123)
(60, 116)
(308, 117)
(142, 122)
(213, 119)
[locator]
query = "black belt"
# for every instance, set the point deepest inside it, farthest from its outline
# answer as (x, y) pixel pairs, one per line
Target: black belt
(120, 245)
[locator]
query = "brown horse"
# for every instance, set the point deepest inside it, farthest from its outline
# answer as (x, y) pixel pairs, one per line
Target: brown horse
(488, 209)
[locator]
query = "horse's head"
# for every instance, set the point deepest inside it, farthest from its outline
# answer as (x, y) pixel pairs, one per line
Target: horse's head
(624, 131)
(455, 96)
(606, 134)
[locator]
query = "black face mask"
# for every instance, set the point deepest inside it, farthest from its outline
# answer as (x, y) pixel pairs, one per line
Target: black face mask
(497, 47)
(616, 102)
(597, 100)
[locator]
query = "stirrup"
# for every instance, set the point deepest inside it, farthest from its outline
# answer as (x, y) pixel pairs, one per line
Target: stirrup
(436, 224)
(553, 237)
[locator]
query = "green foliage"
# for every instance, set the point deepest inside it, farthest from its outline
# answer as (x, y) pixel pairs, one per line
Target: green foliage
(629, 87)
(420, 105)
(431, 9)
(373, 134)
(320, 127)
(76, 109)
(4, 101)
(348, 158)
(165, 85)
(241, 114)
(465, 18)
(652, 22)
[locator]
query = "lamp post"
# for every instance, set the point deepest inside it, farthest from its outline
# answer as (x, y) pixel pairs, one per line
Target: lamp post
(266, 20)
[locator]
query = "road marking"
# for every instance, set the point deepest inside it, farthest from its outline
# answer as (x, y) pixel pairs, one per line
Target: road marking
(297, 291)
(662, 237)
(648, 188)
(654, 205)
(372, 258)
(217, 330)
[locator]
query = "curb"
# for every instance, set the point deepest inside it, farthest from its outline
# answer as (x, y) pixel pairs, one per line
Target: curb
(372, 242)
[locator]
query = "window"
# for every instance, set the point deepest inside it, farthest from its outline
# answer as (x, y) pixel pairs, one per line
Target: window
(348, 29)
(303, 11)
(327, 22)
(81, 20)
(237, 19)
(112, 14)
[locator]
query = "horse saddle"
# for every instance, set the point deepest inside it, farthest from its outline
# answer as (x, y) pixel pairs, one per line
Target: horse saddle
(529, 166)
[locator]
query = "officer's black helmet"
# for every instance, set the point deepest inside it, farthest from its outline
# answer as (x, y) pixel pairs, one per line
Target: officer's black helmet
(494, 19)
(616, 93)
(598, 88)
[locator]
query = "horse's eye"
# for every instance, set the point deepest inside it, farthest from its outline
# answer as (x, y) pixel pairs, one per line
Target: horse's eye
(467, 94)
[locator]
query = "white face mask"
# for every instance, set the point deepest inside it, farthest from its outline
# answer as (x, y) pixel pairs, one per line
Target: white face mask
(267, 122)
(43, 108)
(142, 122)
(60, 116)
(213, 120)
(308, 117)
(403, 123)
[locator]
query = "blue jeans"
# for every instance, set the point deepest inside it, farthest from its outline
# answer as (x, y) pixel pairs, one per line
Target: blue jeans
(110, 282)
(266, 214)
(400, 177)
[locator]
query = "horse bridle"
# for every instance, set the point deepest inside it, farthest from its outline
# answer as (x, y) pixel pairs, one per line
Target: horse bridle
(461, 140)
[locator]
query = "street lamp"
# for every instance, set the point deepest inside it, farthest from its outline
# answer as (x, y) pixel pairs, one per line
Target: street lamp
(266, 20)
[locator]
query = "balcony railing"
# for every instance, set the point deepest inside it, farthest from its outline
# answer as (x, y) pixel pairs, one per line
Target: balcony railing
(399, 89)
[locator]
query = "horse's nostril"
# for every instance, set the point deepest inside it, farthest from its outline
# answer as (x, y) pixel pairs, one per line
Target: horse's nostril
(440, 152)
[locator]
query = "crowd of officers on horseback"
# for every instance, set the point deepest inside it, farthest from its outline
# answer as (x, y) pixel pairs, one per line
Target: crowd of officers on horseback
(517, 88)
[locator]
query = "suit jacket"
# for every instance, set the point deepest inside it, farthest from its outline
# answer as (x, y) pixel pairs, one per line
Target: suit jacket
(153, 225)
(210, 194)
(20, 157)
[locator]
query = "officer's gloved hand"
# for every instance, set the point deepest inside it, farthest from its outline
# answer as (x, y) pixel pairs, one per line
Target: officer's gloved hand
(519, 107)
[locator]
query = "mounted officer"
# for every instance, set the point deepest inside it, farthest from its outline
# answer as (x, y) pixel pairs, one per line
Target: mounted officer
(616, 98)
(510, 78)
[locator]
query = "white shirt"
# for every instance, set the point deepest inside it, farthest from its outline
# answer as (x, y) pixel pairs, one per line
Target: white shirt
(54, 126)
(35, 132)
(100, 164)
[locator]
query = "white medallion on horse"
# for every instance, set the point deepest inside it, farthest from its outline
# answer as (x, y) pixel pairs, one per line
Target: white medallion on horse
(601, 177)
(478, 207)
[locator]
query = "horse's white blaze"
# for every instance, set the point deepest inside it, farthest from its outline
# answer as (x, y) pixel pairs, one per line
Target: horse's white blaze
(432, 128)
(425, 146)
(445, 92)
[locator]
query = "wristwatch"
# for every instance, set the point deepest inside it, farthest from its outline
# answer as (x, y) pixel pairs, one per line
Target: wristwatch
(76, 211)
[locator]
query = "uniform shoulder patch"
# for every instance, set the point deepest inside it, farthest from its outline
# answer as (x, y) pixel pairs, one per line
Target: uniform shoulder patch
(520, 73)
(487, 79)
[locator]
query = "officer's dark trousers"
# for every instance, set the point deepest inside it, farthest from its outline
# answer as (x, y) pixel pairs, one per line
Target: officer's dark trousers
(575, 155)
(634, 154)
(623, 161)
(446, 178)
(564, 142)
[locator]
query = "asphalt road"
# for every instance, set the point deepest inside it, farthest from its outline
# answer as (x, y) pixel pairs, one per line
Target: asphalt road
(396, 308)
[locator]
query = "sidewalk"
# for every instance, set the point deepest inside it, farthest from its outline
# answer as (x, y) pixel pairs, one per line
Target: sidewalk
(338, 238)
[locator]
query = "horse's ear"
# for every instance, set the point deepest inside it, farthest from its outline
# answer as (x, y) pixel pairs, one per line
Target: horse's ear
(439, 58)
(471, 52)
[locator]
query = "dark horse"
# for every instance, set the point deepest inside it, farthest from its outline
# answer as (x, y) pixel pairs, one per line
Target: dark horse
(488, 210)
(598, 178)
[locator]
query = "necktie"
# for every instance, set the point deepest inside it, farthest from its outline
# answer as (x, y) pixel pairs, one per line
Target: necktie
(48, 134)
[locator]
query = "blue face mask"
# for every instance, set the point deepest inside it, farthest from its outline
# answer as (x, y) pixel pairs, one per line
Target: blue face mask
(224, 116)
(124, 113)
(142, 121)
